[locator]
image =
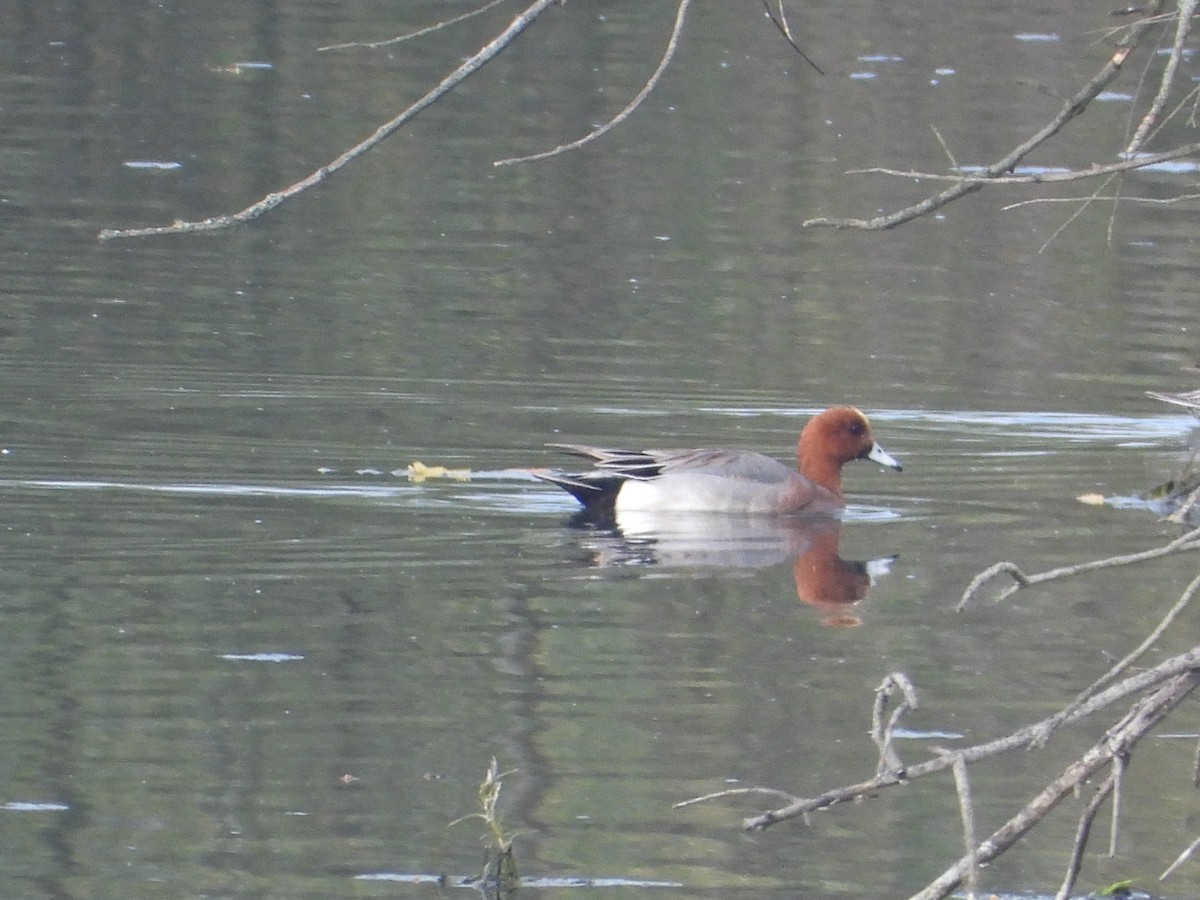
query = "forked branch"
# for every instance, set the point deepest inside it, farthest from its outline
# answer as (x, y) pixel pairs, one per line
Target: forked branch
(1001, 170)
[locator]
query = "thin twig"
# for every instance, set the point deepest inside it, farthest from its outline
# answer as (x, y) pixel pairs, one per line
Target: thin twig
(1084, 205)
(962, 786)
(1187, 8)
(1110, 228)
(987, 575)
(1082, 831)
(668, 54)
(883, 734)
(420, 32)
(733, 792)
(1180, 859)
(1130, 658)
(1140, 161)
(1120, 767)
(782, 24)
(945, 147)
(1123, 198)
(484, 55)
(1188, 99)
(1056, 720)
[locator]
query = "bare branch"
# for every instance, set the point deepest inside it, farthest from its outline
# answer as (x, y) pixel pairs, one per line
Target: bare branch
(884, 734)
(1055, 721)
(269, 202)
(1120, 740)
(1140, 161)
(962, 785)
(1029, 735)
(1161, 201)
(1084, 205)
(1180, 860)
(1120, 767)
(734, 792)
(420, 32)
(668, 54)
(945, 147)
(987, 575)
(782, 24)
(1183, 25)
(1152, 638)
(1082, 831)
(1072, 108)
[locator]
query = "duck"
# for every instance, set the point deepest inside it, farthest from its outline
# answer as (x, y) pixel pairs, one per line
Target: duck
(725, 481)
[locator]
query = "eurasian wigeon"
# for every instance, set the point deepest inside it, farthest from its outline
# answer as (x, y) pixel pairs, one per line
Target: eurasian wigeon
(726, 481)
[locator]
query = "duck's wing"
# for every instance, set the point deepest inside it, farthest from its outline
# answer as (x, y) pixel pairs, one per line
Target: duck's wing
(622, 463)
(646, 464)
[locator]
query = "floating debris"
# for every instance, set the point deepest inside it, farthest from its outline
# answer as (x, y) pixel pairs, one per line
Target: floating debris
(418, 471)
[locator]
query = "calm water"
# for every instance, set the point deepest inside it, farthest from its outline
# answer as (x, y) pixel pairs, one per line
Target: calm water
(246, 656)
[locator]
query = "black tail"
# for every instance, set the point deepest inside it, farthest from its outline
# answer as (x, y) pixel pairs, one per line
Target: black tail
(595, 490)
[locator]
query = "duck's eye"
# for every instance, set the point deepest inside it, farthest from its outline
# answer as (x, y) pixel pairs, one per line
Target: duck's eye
(856, 429)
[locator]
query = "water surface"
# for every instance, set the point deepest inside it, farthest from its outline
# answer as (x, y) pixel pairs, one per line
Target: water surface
(247, 655)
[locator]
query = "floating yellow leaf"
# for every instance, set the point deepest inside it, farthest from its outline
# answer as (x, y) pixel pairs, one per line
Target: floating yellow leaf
(418, 471)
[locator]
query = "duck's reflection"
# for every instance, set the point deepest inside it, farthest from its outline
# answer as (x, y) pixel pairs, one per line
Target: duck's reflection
(834, 586)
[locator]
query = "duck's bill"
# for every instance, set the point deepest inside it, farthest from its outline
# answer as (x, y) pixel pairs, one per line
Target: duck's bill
(881, 456)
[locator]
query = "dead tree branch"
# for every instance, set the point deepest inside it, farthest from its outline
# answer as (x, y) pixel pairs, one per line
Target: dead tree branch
(883, 733)
(1157, 691)
(483, 56)
(1003, 167)
(1119, 741)
(962, 784)
(1086, 818)
(1180, 860)
(1028, 736)
(1188, 541)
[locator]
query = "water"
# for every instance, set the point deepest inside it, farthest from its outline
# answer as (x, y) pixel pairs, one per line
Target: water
(246, 655)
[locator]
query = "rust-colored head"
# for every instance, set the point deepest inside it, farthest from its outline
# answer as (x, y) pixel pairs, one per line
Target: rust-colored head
(837, 436)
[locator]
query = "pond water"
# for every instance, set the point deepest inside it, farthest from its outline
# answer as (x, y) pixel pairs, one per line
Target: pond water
(247, 655)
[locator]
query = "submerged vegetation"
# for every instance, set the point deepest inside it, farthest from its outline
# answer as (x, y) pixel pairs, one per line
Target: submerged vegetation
(500, 877)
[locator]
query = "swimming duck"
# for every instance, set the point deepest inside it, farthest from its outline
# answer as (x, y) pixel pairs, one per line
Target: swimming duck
(726, 481)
